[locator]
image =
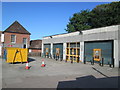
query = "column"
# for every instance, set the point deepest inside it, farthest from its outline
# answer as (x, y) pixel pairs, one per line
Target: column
(64, 51)
(116, 61)
(81, 51)
(51, 50)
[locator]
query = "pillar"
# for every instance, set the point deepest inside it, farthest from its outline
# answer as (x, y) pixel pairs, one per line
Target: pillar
(81, 51)
(64, 51)
(116, 59)
(51, 50)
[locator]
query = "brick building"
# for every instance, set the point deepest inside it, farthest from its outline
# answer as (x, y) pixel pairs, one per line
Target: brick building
(35, 47)
(15, 36)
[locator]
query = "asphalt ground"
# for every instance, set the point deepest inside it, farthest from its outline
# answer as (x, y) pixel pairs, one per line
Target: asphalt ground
(58, 74)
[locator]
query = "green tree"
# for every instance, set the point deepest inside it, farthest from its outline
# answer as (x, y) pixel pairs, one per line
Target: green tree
(105, 15)
(79, 21)
(101, 16)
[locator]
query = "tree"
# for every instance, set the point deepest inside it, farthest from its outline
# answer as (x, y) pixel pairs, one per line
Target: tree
(101, 16)
(79, 21)
(105, 15)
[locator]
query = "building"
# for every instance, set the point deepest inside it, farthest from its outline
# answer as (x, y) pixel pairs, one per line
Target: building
(35, 47)
(99, 44)
(16, 36)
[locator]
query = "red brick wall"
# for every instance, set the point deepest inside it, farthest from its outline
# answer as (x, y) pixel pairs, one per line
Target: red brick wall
(19, 38)
(34, 50)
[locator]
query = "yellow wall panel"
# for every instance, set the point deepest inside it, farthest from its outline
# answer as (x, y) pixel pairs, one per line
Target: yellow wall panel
(17, 55)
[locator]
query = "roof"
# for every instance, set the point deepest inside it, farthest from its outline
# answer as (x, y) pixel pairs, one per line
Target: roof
(89, 31)
(36, 44)
(16, 27)
(62, 34)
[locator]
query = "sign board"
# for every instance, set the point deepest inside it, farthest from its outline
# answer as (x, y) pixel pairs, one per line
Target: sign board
(47, 51)
(97, 54)
(57, 51)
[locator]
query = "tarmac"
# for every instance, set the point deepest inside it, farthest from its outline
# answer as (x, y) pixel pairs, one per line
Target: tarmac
(58, 74)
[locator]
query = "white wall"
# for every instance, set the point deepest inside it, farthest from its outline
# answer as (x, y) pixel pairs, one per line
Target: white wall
(116, 62)
(82, 51)
(64, 51)
(51, 49)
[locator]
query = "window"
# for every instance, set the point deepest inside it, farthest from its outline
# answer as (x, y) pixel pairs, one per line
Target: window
(13, 38)
(24, 41)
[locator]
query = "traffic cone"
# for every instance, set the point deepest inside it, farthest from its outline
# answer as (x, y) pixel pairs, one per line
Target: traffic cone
(43, 64)
(27, 66)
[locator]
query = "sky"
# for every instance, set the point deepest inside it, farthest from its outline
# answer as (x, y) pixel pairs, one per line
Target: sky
(42, 18)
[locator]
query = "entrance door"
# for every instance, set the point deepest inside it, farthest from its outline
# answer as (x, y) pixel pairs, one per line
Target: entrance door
(73, 52)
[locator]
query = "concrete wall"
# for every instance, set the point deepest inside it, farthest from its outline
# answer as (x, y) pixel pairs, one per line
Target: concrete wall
(108, 33)
(87, 37)
(104, 33)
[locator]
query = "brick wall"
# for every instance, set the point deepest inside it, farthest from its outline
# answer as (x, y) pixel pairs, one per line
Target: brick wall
(19, 38)
(35, 50)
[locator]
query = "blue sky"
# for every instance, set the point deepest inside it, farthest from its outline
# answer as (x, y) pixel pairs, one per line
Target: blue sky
(42, 18)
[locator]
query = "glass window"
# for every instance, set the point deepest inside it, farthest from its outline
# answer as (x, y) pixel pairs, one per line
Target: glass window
(24, 40)
(13, 38)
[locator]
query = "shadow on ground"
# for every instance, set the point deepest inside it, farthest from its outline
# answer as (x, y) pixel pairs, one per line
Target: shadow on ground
(90, 82)
(31, 59)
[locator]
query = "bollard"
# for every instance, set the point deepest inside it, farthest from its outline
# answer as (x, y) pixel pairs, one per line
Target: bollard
(61, 58)
(102, 61)
(66, 60)
(84, 60)
(110, 65)
(78, 60)
(93, 60)
(71, 61)
(56, 57)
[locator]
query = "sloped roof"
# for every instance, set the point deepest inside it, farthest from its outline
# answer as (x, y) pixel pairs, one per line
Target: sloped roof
(36, 44)
(16, 27)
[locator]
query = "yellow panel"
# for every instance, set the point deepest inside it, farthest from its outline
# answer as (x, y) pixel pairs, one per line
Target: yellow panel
(16, 55)
(68, 54)
(97, 54)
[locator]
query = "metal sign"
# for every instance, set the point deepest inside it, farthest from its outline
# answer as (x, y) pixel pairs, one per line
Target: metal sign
(47, 50)
(57, 51)
(97, 54)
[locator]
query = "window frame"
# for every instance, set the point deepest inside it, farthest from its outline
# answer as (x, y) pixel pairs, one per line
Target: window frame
(14, 39)
(23, 40)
